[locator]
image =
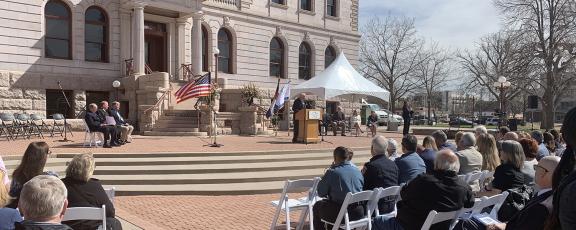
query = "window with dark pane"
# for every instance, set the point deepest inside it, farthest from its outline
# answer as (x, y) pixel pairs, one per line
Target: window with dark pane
(278, 1)
(332, 8)
(277, 58)
(306, 5)
(225, 47)
(96, 35)
(204, 49)
(329, 56)
(57, 41)
(304, 60)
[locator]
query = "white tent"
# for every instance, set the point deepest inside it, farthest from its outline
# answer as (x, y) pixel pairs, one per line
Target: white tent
(340, 78)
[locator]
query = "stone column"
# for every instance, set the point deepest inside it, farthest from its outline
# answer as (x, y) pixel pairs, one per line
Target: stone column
(181, 47)
(125, 37)
(138, 36)
(197, 43)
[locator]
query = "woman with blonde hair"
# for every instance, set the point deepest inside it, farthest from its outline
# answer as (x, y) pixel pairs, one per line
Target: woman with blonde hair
(508, 175)
(85, 191)
(428, 152)
(8, 216)
(487, 147)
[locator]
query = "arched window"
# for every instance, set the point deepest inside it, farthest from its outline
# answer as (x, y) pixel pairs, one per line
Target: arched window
(225, 47)
(57, 41)
(96, 35)
(277, 58)
(329, 56)
(204, 49)
(305, 61)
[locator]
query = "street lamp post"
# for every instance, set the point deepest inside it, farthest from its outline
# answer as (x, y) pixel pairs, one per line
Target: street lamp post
(216, 51)
(502, 84)
(116, 85)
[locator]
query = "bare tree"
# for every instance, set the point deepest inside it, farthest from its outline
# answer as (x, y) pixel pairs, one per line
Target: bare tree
(432, 72)
(551, 29)
(390, 51)
(496, 55)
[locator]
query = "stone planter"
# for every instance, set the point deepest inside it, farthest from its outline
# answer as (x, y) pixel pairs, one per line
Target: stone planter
(248, 118)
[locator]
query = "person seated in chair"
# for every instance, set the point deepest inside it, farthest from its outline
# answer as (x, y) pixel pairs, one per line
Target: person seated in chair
(441, 191)
(339, 121)
(103, 112)
(96, 124)
(125, 128)
(372, 122)
(342, 177)
(324, 123)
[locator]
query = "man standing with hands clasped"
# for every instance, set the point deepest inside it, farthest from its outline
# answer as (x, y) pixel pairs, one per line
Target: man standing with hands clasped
(298, 105)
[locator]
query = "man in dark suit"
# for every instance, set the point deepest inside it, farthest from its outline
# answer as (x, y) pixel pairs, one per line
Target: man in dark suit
(442, 191)
(406, 115)
(380, 172)
(298, 105)
(96, 124)
(125, 128)
(103, 113)
(339, 121)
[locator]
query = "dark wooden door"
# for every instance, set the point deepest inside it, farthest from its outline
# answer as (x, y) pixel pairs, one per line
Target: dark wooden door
(155, 38)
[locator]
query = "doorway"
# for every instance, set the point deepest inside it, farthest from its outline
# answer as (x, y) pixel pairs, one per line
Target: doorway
(155, 42)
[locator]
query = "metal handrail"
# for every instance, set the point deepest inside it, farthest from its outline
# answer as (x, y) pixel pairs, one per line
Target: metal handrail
(160, 100)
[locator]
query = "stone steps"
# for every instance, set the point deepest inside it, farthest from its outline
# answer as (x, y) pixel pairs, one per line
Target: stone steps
(171, 133)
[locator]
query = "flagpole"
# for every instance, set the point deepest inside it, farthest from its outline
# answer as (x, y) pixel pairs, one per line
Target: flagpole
(215, 88)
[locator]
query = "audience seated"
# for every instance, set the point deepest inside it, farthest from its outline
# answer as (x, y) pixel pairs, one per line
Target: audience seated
(559, 142)
(8, 216)
(487, 147)
(510, 136)
(470, 159)
(479, 130)
(502, 132)
(549, 142)
(339, 121)
(530, 148)
(380, 172)
(427, 152)
(442, 141)
(31, 165)
(4, 180)
(441, 191)
(409, 164)
(457, 138)
(43, 204)
(125, 128)
(342, 177)
(508, 174)
(84, 191)
(97, 124)
(542, 150)
(355, 120)
(393, 149)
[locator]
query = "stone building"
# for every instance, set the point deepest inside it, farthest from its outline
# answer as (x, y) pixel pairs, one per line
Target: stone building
(153, 46)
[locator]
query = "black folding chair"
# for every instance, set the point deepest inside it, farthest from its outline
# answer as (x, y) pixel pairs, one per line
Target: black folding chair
(4, 132)
(37, 120)
(31, 128)
(12, 125)
(58, 126)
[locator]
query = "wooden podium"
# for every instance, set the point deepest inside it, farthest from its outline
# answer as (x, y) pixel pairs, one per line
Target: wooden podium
(308, 125)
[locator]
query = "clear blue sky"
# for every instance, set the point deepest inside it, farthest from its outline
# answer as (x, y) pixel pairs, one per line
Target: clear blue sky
(452, 23)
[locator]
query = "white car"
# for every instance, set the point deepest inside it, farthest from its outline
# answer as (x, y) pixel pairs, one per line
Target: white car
(493, 121)
(383, 114)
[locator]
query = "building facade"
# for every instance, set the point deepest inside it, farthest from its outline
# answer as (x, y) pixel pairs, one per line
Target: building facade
(82, 46)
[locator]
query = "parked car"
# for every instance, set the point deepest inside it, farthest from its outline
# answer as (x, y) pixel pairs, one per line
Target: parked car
(383, 114)
(459, 121)
(493, 121)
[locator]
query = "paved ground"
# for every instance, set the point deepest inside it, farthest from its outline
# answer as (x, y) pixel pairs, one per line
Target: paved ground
(147, 144)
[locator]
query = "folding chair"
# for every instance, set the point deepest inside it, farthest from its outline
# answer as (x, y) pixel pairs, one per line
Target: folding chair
(12, 126)
(86, 213)
(303, 204)
(388, 192)
(462, 177)
(368, 197)
(27, 124)
(474, 176)
(38, 121)
(111, 193)
(92, 138)
(435, 217)
(58, 125)
(4, 130)
(485, 202)
(485, 176)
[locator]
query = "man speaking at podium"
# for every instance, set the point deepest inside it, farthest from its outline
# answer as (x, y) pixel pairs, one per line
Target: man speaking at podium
(298, 105)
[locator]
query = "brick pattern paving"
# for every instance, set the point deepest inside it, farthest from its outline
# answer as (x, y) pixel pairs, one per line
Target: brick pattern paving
(200, 212)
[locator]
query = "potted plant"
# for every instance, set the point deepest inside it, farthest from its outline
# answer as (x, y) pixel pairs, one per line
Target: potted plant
(249, 92)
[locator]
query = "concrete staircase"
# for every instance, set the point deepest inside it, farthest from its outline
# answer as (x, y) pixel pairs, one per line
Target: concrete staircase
(204, 173)
(177, 123)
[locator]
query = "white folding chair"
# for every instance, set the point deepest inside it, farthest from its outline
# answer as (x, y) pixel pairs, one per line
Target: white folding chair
(462, 177)
(388, 192)
(485, 202)
(473, 176)
(437, 217)
(351, 198)
(485, 176)
(111, 193)
(92, 138)
(303, 204)
(86, 213)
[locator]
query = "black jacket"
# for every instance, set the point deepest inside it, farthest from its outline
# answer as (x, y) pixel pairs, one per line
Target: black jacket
(406, 113)
(87, 194)
(298, 105)
(381, 172)
(114, 113)
(441, 191)
(533, 216)
(338, 116)
(102, 114)
(93, 121)
(31, 225)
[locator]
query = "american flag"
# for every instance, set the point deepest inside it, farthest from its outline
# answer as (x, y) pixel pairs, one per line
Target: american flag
(198, 88)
